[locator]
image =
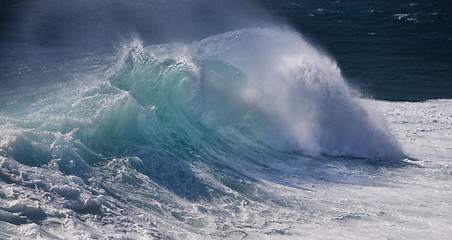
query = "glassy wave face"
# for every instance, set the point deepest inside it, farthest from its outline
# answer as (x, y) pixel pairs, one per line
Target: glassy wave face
(249, 132)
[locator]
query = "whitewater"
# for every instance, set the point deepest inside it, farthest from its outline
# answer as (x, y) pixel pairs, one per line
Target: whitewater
(244, 133)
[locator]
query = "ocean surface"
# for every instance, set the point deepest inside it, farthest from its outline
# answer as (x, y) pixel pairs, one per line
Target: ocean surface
(200, 119)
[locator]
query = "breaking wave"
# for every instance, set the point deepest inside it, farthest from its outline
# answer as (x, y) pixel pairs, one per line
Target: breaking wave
(249, 89)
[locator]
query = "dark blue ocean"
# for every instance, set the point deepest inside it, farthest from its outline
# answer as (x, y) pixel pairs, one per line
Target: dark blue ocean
(394, 50)
(229, 119)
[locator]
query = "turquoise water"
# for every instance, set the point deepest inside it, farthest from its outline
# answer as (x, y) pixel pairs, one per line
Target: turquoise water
(202, 120)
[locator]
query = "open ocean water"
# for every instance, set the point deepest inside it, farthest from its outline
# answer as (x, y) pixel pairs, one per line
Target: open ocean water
(199, 119)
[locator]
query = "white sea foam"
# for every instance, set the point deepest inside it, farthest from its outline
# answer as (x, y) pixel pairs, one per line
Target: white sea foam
(326, 200)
